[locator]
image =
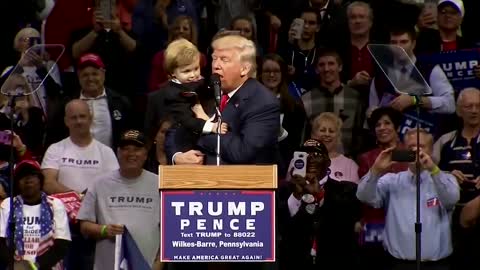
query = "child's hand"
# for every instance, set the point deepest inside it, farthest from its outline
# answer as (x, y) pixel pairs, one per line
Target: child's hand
(199, 112)
(223, 128)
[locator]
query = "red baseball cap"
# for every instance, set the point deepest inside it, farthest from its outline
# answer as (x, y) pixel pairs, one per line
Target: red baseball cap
(90, 60)
(32, 165)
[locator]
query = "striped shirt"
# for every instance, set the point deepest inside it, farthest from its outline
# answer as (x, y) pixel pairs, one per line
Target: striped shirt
(344, 102)
(454, 152)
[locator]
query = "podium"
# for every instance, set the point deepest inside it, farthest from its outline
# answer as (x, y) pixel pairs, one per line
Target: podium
(217, 213)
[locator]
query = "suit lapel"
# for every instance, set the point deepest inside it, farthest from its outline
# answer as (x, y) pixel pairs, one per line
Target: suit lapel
(236, 101)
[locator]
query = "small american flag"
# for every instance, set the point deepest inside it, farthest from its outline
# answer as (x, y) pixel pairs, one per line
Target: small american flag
(433, 202)
(72, 202)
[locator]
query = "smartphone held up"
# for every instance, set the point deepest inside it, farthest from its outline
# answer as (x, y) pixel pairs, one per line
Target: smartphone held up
(297, 28)
(300, 163)
(399, 155)
(5, 137)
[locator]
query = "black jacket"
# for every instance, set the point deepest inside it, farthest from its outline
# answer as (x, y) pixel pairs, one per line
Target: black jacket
(178, 103)
(169, 103)
(120, 113)
(332, 225)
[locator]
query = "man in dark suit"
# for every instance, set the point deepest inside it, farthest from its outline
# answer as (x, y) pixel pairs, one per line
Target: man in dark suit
(111, 111)
(251, 111)
(317, 216)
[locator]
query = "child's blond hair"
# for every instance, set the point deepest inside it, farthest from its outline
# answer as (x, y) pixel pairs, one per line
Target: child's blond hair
(180, 52)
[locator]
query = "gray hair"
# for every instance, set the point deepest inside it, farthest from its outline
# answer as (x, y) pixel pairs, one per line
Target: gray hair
(466, 91)
(360, 4)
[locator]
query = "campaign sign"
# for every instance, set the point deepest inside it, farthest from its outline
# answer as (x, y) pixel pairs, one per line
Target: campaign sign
(217, 226)
(457, 65)
(410, 118)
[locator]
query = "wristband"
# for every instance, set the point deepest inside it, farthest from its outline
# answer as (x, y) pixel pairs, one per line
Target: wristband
(435, 171)
(103, 231)
(33, 265)
(22, 151)
(414, 100)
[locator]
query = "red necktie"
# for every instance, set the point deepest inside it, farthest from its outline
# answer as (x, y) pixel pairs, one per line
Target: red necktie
(223, 102)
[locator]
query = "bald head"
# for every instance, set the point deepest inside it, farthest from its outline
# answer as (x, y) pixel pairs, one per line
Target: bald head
(468, 106)
(75, 106)
(78, 118)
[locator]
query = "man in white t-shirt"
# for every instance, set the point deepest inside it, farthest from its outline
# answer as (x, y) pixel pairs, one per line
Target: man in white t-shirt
(75, 162)
(42, 235)
(128, 198)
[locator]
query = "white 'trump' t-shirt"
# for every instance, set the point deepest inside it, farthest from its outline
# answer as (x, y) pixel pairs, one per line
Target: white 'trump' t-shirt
(78, 167)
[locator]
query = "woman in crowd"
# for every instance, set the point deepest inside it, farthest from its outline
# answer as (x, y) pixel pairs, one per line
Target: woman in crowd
(157, 155)
(182, 27)
(326, 128)
(30, 125)
(33, 66)
(385, 122)
(273, 74)
(246, 27)
(29, 121)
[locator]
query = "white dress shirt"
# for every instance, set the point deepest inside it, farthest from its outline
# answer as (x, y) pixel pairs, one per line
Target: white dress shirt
(101, 128)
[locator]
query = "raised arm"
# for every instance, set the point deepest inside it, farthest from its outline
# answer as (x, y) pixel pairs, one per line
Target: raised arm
(374, 188)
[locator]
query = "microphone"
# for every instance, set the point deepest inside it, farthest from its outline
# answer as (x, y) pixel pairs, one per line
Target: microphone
(217, 85)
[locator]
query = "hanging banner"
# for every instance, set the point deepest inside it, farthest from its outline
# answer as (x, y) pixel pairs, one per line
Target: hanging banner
(457, 65)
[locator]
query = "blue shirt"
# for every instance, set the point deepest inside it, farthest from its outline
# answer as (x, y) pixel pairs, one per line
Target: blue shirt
(397, 194)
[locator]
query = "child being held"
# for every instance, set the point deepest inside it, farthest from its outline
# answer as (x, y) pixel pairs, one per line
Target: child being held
(186, 95)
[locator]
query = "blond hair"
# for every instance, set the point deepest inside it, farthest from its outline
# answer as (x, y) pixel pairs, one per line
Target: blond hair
(180, 52)
(245, 47)
(28, 31)
(327, 116)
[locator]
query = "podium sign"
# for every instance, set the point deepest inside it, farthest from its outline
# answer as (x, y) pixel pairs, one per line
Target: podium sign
(217, 226)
